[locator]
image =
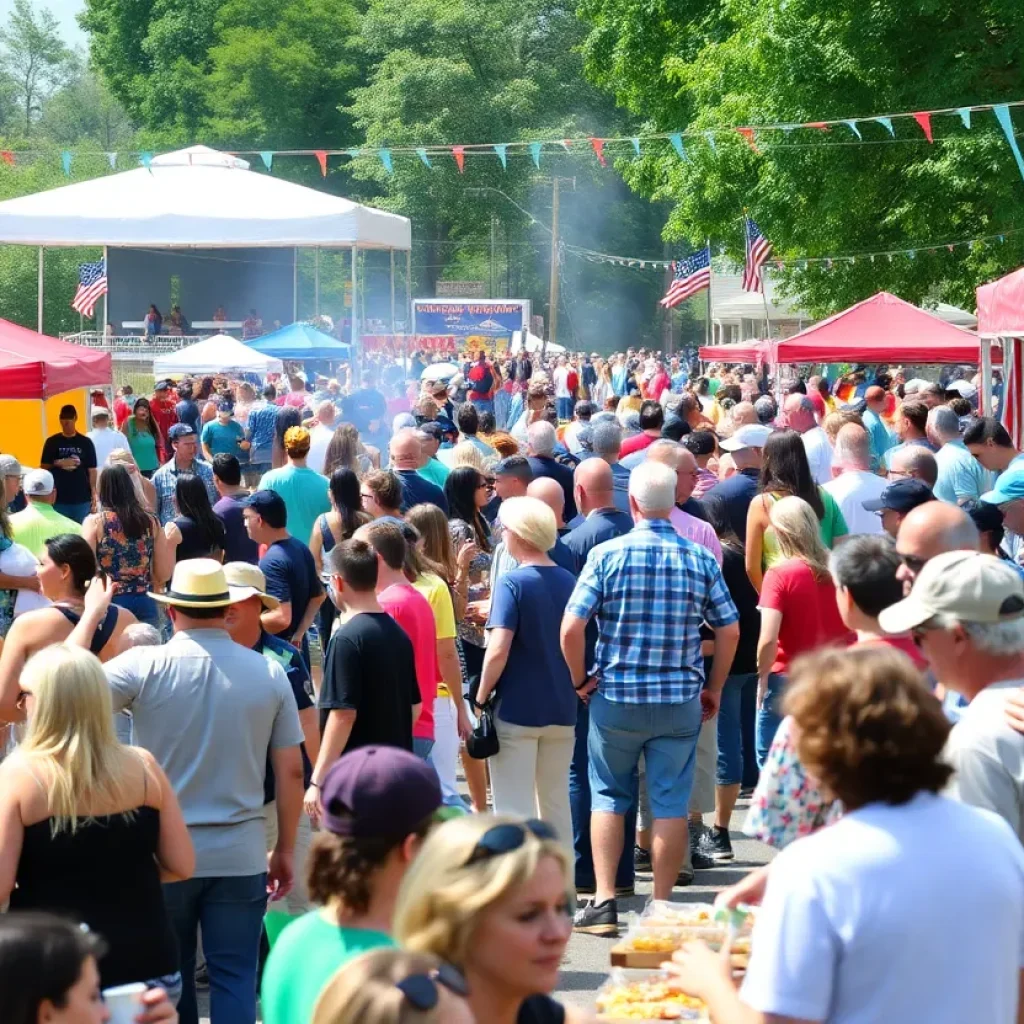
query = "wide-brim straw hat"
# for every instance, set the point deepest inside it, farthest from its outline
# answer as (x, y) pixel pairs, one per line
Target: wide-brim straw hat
(244, 577)
(200, 583)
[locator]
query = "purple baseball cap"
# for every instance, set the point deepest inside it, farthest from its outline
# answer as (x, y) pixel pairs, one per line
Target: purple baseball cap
(379, 793)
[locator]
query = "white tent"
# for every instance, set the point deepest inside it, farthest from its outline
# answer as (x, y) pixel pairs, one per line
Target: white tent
(751, 306)
(533, 344)
(197, 197)
(218, 354)
(953, 315)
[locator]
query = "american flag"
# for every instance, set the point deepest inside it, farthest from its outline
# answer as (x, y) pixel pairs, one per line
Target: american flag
(92, 283)
(758, 250)
(691, 276)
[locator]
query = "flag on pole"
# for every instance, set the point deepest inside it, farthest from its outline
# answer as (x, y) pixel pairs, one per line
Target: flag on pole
(692, 275)
(758, 250)
(92, 283)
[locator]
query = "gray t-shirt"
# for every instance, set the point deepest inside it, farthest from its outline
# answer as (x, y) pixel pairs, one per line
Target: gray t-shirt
(208, 710)
(989, 756)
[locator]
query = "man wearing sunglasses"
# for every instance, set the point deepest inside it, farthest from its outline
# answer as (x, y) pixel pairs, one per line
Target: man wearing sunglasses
(929, 530)
(897, 501)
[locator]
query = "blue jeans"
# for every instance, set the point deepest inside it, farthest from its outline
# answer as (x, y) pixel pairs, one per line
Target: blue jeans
(730, 728)
(769, 716)
(666, 734)
(579, 803)
(142, 606)
(422, 747)
(564, 408)
(75, 510)
(483, 405)
(230, 911)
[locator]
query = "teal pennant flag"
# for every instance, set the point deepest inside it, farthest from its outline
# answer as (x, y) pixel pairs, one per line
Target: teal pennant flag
(502, 150)
(535, 148)
(422, 154)
(268, 159)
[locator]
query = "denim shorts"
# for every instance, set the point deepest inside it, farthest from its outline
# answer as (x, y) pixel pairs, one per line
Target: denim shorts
(666, 734)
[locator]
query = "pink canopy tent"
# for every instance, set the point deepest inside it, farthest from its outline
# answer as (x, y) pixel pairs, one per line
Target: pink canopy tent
(754, 352)
(1001, 316)
(33, 365)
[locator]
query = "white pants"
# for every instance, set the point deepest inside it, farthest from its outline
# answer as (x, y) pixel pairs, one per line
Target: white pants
(297, 901)
(444, 755)
(530, 774)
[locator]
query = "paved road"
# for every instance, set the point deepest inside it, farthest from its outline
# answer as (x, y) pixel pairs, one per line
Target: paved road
(586, 963)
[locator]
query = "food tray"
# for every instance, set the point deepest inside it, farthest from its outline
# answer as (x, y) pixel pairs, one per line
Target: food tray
(632, 986)
(664, 927)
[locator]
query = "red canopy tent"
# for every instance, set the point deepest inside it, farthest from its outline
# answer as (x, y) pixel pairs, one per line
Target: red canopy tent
(1001, 316)
(35, 366)
(882, 329)
(753, 352)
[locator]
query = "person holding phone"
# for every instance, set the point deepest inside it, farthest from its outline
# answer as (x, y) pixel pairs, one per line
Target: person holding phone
(71, 457)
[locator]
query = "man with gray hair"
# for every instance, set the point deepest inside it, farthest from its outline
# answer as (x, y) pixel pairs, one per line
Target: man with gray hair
(766, 410)
(960, 477)
(852, 481)
(649, 591)
(606, 442)
(798, 413)
(540, 454)
(966, 613)
(913, 461)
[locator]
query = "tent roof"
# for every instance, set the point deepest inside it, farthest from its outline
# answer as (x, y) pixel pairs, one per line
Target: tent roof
(744, 352)
(217, 354)
(300, 341)
(1001, 306)
(882, 329)
(197, 197)
(35, 366)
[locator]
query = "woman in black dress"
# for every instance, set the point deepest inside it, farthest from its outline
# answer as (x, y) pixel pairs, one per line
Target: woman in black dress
(196, 530)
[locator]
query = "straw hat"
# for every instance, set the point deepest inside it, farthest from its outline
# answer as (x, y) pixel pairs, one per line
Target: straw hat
(200, 583)
(244, 576)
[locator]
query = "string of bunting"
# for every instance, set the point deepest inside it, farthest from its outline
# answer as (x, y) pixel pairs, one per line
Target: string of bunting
(802, 262)
(755, 136)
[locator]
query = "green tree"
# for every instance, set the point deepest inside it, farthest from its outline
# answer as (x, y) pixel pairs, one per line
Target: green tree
(84, 112)
(711, 66)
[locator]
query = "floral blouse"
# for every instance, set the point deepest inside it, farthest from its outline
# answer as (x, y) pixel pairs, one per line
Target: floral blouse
(479, 579)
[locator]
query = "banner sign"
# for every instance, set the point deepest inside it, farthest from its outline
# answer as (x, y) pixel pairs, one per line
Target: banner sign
(398, 345)
(487, 325)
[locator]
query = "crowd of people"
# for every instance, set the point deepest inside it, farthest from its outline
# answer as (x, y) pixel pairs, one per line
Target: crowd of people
(251, 638)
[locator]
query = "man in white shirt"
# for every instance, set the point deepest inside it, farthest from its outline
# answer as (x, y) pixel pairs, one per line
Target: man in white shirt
(853, 482)
(104, 438)
(563, 396)
(798, 412)
(320, 436)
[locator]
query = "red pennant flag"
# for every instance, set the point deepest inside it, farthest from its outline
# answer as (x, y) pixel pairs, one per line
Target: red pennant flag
(321, 159)
(459, 152)
(748, 134)
(598, 145)
(8, 157)
(950, 248)
(924, 119)
(820, 125)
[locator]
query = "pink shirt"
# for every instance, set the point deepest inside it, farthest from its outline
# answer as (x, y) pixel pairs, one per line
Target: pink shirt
(691, 528)
(411, 610)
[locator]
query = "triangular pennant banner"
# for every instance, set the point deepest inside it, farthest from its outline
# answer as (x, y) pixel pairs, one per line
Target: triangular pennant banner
(924, 119)
(385, 159)
(65, 162)
(710, 136)
(459, 152)
(7, 156)
(268, 159)
(535, 148)
(852, 125)
(502, 150)
(636, 145)
(146, 159)
(112, 160)
(748, 134)
(912, 253)
(676, 139)
(965, 116)
(820, 125)
(567, 145)
(1002, 112)
(886, 123)
(598, 146)
(321, 159)
(422, 154)
(354, 153)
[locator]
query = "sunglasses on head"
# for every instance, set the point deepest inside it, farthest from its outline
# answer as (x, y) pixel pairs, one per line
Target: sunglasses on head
(420, 990)
(505, 838)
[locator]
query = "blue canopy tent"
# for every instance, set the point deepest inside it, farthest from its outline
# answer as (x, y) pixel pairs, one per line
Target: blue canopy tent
(301, 342)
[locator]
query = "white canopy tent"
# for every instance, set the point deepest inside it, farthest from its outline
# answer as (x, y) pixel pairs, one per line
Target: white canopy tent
(533, 344)
(218, 354)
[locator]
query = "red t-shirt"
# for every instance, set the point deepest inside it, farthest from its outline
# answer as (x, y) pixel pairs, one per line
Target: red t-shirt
(164, 416)
(901, 643)
(636, 443)
(411, 610)
(810, 615)
(122, 410)
(659, 383)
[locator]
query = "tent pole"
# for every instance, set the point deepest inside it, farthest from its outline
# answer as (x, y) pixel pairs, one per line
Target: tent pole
(408, 290)
(39, 294)
(356, 353)
(295, 284)
(986, 375)
(106, 295)
(392, 253)
(316, 281)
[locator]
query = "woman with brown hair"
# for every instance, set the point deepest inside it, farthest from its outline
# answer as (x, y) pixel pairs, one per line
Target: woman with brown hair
(850, 927)
(347, 451)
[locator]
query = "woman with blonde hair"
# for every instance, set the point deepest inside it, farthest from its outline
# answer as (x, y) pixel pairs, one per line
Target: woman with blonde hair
(465, 453)
(391, 986)
(89, 828)
(798, 607)
(491, 895)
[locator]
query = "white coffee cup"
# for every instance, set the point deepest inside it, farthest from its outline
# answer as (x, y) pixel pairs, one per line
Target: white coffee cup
(124, 1002)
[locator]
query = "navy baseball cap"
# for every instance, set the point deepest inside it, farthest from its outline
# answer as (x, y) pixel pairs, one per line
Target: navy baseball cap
(435, 430)
(379, 793)
(180, 430)
(162, 385)
(901, 496)
(264, 501)
(224, 406)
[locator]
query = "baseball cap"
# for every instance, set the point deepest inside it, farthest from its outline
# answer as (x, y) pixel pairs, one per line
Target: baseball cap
(162, 385)
(264, 501)
(39, 481)
(435, 430)
(1009, 487)
(99, 410)
(750, 435)
(180, 430)
(378, 793)
(224, 406)
(10, 466)
(968, 585)
(901, 496)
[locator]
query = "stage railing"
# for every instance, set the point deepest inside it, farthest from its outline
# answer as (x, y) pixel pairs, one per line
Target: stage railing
(131, 344)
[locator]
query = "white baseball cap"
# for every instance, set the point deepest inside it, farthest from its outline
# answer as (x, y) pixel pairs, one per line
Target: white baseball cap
(750, 435)
(38, 482)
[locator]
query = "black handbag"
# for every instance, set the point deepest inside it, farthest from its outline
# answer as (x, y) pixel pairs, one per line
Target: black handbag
(483, 742)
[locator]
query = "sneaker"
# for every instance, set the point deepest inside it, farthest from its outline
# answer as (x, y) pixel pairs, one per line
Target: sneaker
(597, 918)
(701, 861)
(685, 877)
(697, 833)
(641, 859)
(717, 844)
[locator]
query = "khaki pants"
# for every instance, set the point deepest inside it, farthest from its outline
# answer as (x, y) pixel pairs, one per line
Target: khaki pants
(530, 774)
(297, 901)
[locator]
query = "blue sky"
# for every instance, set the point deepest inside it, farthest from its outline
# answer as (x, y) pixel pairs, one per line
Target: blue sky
(63, 10)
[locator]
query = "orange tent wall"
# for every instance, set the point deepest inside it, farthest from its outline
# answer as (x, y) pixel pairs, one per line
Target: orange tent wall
(25, 423)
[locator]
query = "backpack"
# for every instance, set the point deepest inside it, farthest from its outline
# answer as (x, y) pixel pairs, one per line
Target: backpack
(483, 385)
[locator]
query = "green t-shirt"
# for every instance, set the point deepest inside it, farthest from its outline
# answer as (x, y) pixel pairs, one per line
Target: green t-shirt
(304, 959)
(223, 438)
(305, 497)
(434, 471)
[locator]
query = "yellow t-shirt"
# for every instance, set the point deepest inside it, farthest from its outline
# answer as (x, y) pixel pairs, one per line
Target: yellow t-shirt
(439, 597)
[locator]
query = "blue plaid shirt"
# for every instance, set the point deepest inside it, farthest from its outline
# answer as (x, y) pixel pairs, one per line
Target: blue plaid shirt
(165, 479)
(261, 424)
(649, 591)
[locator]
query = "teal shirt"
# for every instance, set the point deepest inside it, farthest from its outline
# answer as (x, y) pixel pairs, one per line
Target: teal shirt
(305, 496)
(960, 475)
(302, 961)
(434, 471)
(878, 432)
(223, 438)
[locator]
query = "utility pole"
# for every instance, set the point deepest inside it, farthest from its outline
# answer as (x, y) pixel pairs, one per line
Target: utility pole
(553, 293)
(491, 288)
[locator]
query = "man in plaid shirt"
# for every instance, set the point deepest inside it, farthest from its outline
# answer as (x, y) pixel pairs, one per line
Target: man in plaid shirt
(649, 591)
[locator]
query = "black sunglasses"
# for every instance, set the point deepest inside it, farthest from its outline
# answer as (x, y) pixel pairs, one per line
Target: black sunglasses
(421, 989)
(505, 838)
